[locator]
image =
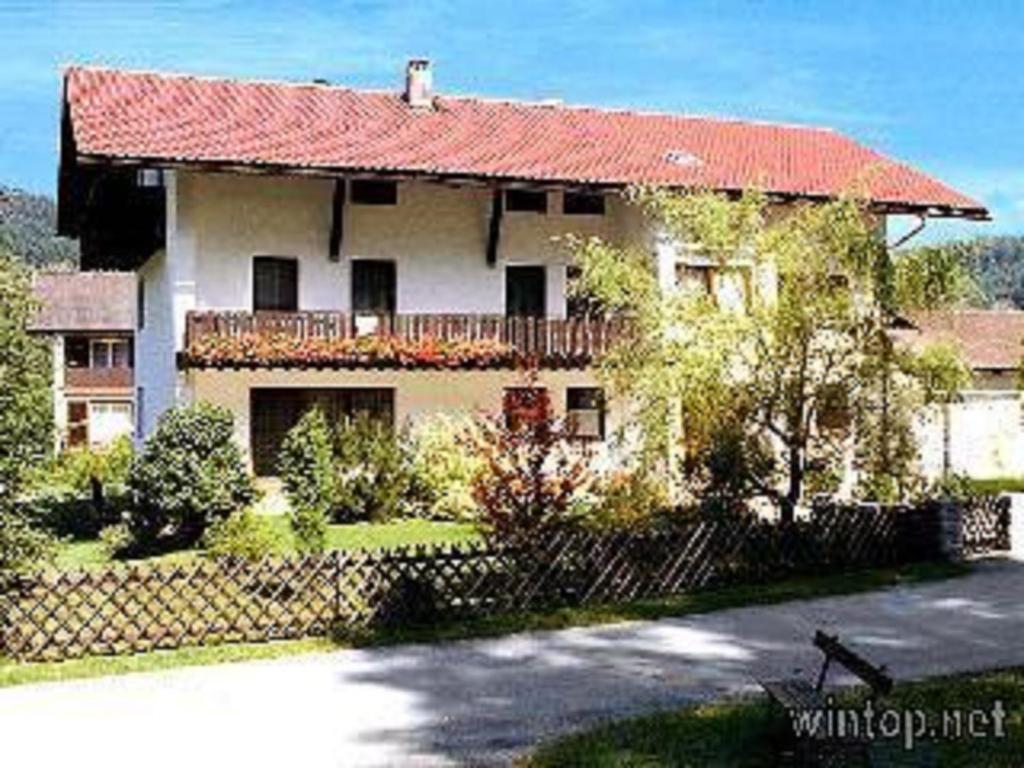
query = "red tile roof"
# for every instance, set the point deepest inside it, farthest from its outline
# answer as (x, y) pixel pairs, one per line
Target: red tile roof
(84, 301)
(173, 118)
(991, 340)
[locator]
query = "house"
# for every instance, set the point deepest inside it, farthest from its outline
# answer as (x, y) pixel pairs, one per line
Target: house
(89, 319)
(980, 434)
(396, 252)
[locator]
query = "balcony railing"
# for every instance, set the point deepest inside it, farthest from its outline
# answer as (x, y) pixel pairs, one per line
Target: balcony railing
(338, 340)
(86, 378)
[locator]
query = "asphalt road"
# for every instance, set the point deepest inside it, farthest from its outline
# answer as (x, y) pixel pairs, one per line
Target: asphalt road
(482, 702)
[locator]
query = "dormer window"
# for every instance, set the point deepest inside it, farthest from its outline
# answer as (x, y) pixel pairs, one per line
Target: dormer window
(374, 192)
(526, 200)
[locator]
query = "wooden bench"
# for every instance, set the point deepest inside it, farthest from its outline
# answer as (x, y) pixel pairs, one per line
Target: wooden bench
(800, 694)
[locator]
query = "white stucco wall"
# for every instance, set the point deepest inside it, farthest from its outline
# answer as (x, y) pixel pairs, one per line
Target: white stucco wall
(436, 235)
(418, 394)
(986, 436)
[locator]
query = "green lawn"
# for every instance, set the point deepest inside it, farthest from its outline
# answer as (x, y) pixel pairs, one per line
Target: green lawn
(745, 732)
(90, 554)
(15, 673)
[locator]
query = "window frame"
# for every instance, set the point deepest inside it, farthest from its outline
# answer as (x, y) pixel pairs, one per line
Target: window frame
(365, 263)
(601, 409)
(522, 269)
(257, 262)
(508, 407)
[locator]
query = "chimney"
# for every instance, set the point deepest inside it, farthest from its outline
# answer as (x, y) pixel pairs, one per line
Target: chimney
(419, 84)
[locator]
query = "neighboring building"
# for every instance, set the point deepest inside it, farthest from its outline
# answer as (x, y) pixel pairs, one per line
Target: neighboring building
(89, 318)
(981, 434)
(271, 224)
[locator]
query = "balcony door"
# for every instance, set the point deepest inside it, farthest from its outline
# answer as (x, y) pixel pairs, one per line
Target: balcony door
(275, 284)
(374, 293)
(525, 291)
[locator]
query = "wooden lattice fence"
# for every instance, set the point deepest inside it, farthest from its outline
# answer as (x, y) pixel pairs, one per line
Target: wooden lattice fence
(122, 610)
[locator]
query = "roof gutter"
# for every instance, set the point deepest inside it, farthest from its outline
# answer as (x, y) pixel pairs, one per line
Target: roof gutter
(922, 222)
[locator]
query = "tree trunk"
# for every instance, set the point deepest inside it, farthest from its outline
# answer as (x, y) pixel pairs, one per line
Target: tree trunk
(98, 500)
(796, 482)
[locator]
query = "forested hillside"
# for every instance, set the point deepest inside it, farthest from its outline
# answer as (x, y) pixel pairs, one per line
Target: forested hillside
(999, 269)
(28, 225)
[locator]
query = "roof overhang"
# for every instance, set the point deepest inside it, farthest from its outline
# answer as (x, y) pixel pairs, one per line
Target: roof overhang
(885, 207)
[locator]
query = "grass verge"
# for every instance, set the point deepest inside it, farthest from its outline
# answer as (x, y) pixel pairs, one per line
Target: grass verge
(16, 673)
(78, 555)
(746, 732)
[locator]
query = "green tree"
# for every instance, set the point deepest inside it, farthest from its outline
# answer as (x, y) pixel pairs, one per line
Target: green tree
(791, 367)
(26, 418)
(189, 474)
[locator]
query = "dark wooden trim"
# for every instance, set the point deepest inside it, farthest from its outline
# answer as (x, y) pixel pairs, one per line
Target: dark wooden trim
(337, 220)
(494, 230)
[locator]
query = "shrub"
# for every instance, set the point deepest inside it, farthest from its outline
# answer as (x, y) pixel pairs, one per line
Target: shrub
(81, 491)
(189, 474)
(375, 481)
(628, 500)
(242, 535)
(444, 467)
(306, 464)
(23, 547)
(307, 467)
(309, 526)
(116, 540)
(530, 472)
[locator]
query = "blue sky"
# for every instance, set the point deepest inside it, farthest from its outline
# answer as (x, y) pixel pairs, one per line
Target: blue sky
(937, 84)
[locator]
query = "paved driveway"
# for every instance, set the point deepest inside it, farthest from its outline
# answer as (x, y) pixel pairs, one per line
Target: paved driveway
(480, 702)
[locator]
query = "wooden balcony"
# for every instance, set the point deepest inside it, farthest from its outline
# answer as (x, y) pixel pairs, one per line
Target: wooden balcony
(338, 340)
(88, 379)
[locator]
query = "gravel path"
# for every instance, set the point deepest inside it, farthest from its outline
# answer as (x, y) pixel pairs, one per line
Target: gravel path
(481, 702)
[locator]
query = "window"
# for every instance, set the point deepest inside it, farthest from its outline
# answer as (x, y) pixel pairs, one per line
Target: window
(695, 278)
(140, 303)
(733, 289)
(583, 204)
(374, 286)
(275, 284)
(109, 353)
(109, 420)
(584, 412)
(524, 405)
(729, 287)
(76, 352)
(78, 423)
(528, 200)
(525, 291)
(374, 192)
(275, 411)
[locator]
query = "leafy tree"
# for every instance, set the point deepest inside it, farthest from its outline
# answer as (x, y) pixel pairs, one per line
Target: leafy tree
(790, 368)
(26, 418)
